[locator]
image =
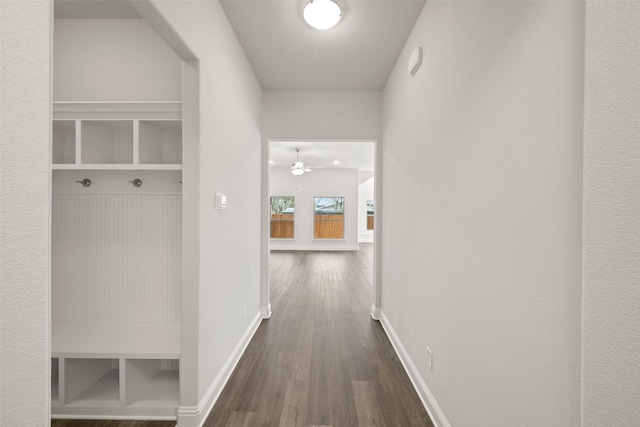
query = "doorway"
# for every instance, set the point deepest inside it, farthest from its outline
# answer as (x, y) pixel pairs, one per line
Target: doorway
(321, 195)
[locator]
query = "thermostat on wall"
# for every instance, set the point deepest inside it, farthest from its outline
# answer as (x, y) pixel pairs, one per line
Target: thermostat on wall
(221, 201)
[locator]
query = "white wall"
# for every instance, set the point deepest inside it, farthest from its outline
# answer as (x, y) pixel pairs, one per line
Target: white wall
(482, 210)
(611, 237)
(365, 192)
(113, 60)
(25, 132)
(222, 98)
(115, 248)
(322, 115)
(318, 183)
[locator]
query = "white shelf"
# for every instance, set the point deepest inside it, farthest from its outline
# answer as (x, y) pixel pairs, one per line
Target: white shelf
(167, 110)
(116, 341)
(116, 167)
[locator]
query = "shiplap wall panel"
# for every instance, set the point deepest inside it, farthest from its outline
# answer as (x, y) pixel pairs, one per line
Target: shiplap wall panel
(116, 259)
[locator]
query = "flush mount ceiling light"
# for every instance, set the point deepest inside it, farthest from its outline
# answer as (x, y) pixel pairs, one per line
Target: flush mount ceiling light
(298, 168)
(322, 14)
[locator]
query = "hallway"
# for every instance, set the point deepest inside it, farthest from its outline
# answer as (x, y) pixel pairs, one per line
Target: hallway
(320, 359)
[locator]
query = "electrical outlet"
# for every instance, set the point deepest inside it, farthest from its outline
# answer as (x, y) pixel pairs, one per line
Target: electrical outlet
(429, 359)
(244, 311)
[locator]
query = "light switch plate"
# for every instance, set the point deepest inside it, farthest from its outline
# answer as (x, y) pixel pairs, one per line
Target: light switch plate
(221, 201)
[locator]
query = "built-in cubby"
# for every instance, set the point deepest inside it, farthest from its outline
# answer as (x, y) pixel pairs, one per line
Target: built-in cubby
(116, 260)
(117, 136)
(152, 382)
(64, 142)
(106, 142)
(55, 382)
(92, 382)
(160, 142)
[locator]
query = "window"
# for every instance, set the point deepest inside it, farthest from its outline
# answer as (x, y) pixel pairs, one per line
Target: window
(282, 217)
(370, 214)
(328, 220)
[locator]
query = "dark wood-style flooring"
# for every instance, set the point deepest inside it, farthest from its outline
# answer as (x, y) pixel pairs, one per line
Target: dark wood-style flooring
(320, 360)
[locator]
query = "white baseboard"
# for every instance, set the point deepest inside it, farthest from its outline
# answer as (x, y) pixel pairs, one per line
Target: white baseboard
(375, 312)
(195, 416)
(315, 248)
(429, 402)
(266, 311)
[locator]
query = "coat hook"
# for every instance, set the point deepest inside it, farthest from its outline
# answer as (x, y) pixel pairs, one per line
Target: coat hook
(136, 182)
(85, 182)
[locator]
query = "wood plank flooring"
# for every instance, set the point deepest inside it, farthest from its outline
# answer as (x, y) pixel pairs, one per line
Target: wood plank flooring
(320, 360)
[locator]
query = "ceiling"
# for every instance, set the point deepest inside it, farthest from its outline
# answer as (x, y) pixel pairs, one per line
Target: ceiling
(286, 53)
(357, 54)
(322, 154)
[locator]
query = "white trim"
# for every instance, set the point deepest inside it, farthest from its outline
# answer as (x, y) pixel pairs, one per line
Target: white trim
(375, 312)
(266, 311)
(117, 110)
(112, 417)
(429, 402)
(116, 166)
(314, 248)
(195, 416)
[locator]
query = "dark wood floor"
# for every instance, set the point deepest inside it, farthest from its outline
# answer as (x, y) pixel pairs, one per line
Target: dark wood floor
(320, 360)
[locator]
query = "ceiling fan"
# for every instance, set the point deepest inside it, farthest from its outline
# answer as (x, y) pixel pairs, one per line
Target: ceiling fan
(298, 168)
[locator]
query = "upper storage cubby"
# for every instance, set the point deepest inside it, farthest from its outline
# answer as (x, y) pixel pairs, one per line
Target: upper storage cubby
(116, 135)
(107, 142)
(64, 142)
(160, 141)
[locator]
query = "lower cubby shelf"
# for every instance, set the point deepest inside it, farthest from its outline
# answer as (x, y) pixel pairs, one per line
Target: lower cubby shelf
(152, 383)
(92, 382)
(55, 382)
(141, 382)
